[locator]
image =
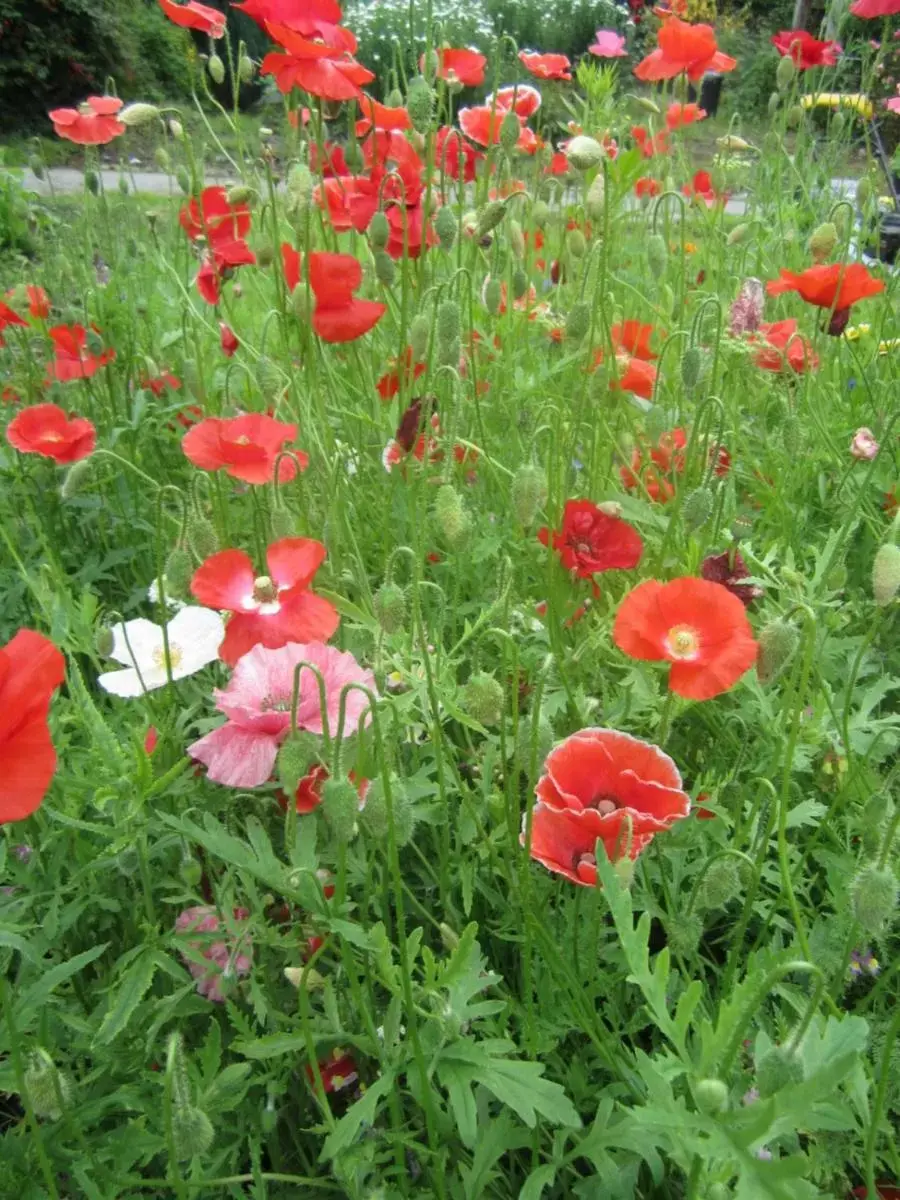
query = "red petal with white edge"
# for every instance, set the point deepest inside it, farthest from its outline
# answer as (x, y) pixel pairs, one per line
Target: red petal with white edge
(294, 561)
(224, 581)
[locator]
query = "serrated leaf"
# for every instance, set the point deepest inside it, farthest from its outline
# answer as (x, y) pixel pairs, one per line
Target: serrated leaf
(134, 986)
(274, 1045)
(31, 1001)
(359, 1114)
(537, 1181)
(457, 1079)
(521, 1086)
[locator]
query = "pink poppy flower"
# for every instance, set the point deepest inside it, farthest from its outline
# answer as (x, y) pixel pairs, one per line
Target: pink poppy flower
(257, 702)
(608, 44)
(213, 963)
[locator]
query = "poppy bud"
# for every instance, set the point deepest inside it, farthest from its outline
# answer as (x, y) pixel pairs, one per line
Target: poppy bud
(299, 186)
(192, 1132)
(795, 115)
(284, 524)
(36, 166)
(404, 812)
(216, 68)
(104, 641)
(516, 238)
(874, 896)
(270, 380)
(711, 1096)
(449, 937)
(647, 105)
(374, 815)
(519, 283)
(792, 433)
(741, 527)
(298, 752)
(784, 73)
(134, 115)
(772, 106)
(584, 152)
(879, 809)
(683, 935)
(778, 643)
(394, 98)
(419, 333)
(823, 241)
(445, 227)
(576, 243)
(691, 367)
(540, 213)
(510, 128)
(354, 157)
(738, 235)
(490, 217)
(47, 1089)
(492, 295)
(385, 270)
(340, 808)
(190, 870)
(177, 572)
(246, 69)
(720, 1191)
(779, 1067)
(183, 179)
(92, 182)
(483, 699)
(451, 516)
(448, 333)
(379, 231)
(543, 742)
(864, 191)
(595, 201)
(202, 537)
(721, 884)
(697, 508)
(528, 491)
(240, 194)
(885, 574)
(419, 104)
(389, 603)
(75, 479)
(176, 129)
(657, 254)
(578, 322)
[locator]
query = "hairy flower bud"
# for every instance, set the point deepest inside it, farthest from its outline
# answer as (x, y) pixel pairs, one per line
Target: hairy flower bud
(540, 213)
(516, 238)
(76, 478)
(711, 1096)
(510, 129)
(183, 179)
(648, 105)
(683, 934)
(483, 699)
(420, 104)
(374, 816)
(738, 235)
(578, 322)
(340, 808)
(657, 254)
(354, 156)
(543, 743)
(773, 104)
(390, 607)
(691, 367)
(241, 193)
(874, 896)
(47, 1089)
(385, 269)
(246, 69)
(177, 571)
(92, 182)
(492, 295)
(721, 884)
(697, 508)
(778, 644)
(269, 379)
(784, 73)
(104, 641)
(490, 217)
(448, 333)
(576, 243)
(885, 574)
(528, 493)
(865, 191)
(451, 515)
(36, 166)
(299, 186)
(201, 535)
(445, 227)
(419, 334)
(379, 231)
(584, 152)
(795, 113)
(134, 115)
(216, 69)
(297, 753)
(519, 283)
(192, 1132)
(595, 201)
(823, 241)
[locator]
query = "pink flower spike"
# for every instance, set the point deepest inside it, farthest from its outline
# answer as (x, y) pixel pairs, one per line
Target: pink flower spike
(608, 44)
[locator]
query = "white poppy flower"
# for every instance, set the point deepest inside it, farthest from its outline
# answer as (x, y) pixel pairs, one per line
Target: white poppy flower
(195, 635)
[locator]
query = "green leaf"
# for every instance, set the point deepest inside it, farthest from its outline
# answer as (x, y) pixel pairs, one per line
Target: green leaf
(521, 1086)
(32, 1001)
(135, 983)
(457, 1079)
(275, 1045)
(361, 1113)
(537, 1181)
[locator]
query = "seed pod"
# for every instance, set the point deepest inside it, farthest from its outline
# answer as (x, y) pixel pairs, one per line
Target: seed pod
(385, 270)
(490, 217)
(299, 186)
(697, 508)
(691, 367)
(134, 115)
(47, 1089)
(874, 896)
(420, 104)
(721, 884)
(192, 1132)
(528, 493)
(510, 130)
(731, 142)
(297, 754)
(379, 231)
(648, 105)
(778, 644)
(583, 153)
(711, 1096)
(823, 241)
(104, 641)
(795, 115)
(595, 201)
(516, 238)
(216, 69)
(483, 699)
(202, 537)
(389, 603)
(540, 213)
(784, 73)
(451, 516)
(578, 322)
(448, 328)
(519, 283)
(492, 295)
(177, 571)
(445, 227)
(657, 254)
(419, 333)
(779, 1067)
(885, 574)
(183, 179)
(738, 235)
(354, 157)
(76, 478)
(92, 182)
(246, 69)
(340, 808)
(36, 166)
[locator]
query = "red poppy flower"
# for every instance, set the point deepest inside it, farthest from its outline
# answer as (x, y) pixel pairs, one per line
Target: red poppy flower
(245, 447)
(402, 373)
(192, 15)
(592, 541)
(338, 316)
(602, 786)
(459, 66)
(91, 124)
(650, 146)
(161, 382)
(334, 162)
(308, 796)
(31, 668)
(729, 569)
(647, 186)
(834, 287)
(666, 459)
(45, 429)
(228, 339)
(337, 1072)
(785, 348)
(634, 338)
(558, 164)
(701, 187)
(683, 47)
(456, 156)
(214, 217)
(546, 66)
(9, 395)
(481, 124)
(285, 12)
(805, 50)
(520, 98)
(72, 359)
(380, 116)
(868, 9)
(269, 610)
(697, 626)
(319, 68)
(683, 114)
(9, 316)
(635, 376)
(38, 301)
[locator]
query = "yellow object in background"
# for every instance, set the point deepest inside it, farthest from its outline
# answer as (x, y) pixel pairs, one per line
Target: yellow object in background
(837, 100)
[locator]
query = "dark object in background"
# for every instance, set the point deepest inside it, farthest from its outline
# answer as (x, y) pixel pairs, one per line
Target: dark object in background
(888, 238)
(710, 92)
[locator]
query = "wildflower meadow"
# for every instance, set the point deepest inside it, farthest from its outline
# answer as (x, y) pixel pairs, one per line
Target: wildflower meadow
(450, 549)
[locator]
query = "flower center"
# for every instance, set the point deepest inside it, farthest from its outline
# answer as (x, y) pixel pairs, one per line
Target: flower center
(605, 805)
(176, 654)
(682, 642)
(265, 591)
(243, 440)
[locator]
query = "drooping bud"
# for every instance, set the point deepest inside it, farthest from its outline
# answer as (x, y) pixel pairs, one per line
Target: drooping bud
(241, 193)
(104, 641)
(183, 179)
(340, 808)
(584, 152)
(301, 303)
(389, 603)
(385, 269)
(47, 1089)
(379, 231)
(36, 166)
(519, 283)
(516, 238)
(885, 574)
(874, 896)
(201, 535)
(162, 159)
(731, 141)
(216, 69)
(576, 243)
(448, 331)
(298, 752)
(697, 508)
(419, 333)
(299, 186)
(284, 524)
(823, 241)
(543, 743)
(864, 191)
(772, 106)
(711, 1096)
(394, 98)
(420, 104)
(648, 105)
(134, 115)
(192, 1132)
(738, 235)
(178, 571)
(76, 478)
(778, 644)
(785, 72)
(595, 201)
(510, 129)
(691, 367)
(445, 227)
(374, 816)
(683, 934)
(657, 254)
(92, 182)
(721, 884)
(578, 322)
(354, 156)
(451, 515)
(540, 213)
(794, 115)
(246, 69)
(269, 379)
(528, 493)
(779, 1067)
(492, 295)
(483, 699)
(490, 217)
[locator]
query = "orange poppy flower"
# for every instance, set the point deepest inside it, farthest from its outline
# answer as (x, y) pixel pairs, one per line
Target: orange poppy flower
(683, 47)
(785, 349)
(601, 785)
(683, 114)
(459, 66)
(647, 186)
(546, 66)
(697, 626)
(836, 286)
(93, 123)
